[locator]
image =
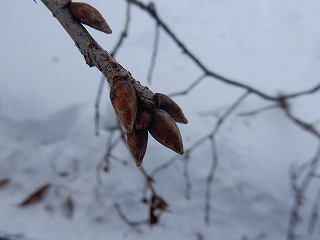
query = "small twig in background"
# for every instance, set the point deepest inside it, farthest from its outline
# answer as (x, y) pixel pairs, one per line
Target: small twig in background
(124, 33)
(254, 112)
(97, 105)
(306, 126)
(188, 89)
(133, 224)
(206, 71)
(106, 156)
(214, 165)
(165, 165)
(299, 191)
(315, 214)
(185, 160)
(316, 175)
(154, 53)
(306, 92)
(199, 236)
(15, 236)
(149, 180)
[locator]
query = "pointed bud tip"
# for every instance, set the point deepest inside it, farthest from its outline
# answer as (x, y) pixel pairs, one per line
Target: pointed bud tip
(180, 151)
(90, 16)
(165, 103)
(164, 129)
(138, 164)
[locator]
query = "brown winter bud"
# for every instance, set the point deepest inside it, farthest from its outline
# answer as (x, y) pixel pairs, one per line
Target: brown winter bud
(124, 102)
(137, 141)
(165, 130)
(143, 119)
(90, 16)
(166, 103)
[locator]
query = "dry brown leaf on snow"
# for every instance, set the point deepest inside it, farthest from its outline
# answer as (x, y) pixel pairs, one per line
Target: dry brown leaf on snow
(36, 196)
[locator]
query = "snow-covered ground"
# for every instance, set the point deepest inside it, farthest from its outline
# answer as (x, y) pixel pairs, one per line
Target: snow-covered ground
(47, 95)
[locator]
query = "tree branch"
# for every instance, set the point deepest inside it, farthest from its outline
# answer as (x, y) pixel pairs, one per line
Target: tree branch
(94, 54)
(207, 72)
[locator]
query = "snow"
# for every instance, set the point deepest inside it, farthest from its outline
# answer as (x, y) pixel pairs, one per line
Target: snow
(47, 95)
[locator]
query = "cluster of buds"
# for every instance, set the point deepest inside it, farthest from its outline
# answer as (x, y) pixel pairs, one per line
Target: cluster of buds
(137, 119)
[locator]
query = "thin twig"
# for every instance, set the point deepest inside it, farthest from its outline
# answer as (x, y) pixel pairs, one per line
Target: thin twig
(215, 156)
(165, 165)
(254, 112)
(306, 126)
(315, 214)
(97, 105)
(106, 156)
(154, 53)
(124, 33)
(300, 190)
(133, 224)
(306, 92)
(188, 89)
(229, 111)
(186, 175)
(18, 236)
(214, 164)
(148, 181)
(316, 175)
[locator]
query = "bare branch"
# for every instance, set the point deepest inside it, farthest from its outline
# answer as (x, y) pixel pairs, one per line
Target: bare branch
(254, 112)
(148, 181)
(94, 54)
(229, 111)
(315, 214)
(97, 106)
(18, 236)
(133, 224)
(308, 127)
(188, 89)
(185, 50)
(154, 53)
(186, 175)
(124, 33)
(215, 159)
(208, 72)
(299, 94)
(106, 157)
(300, 190)
(166, 164)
